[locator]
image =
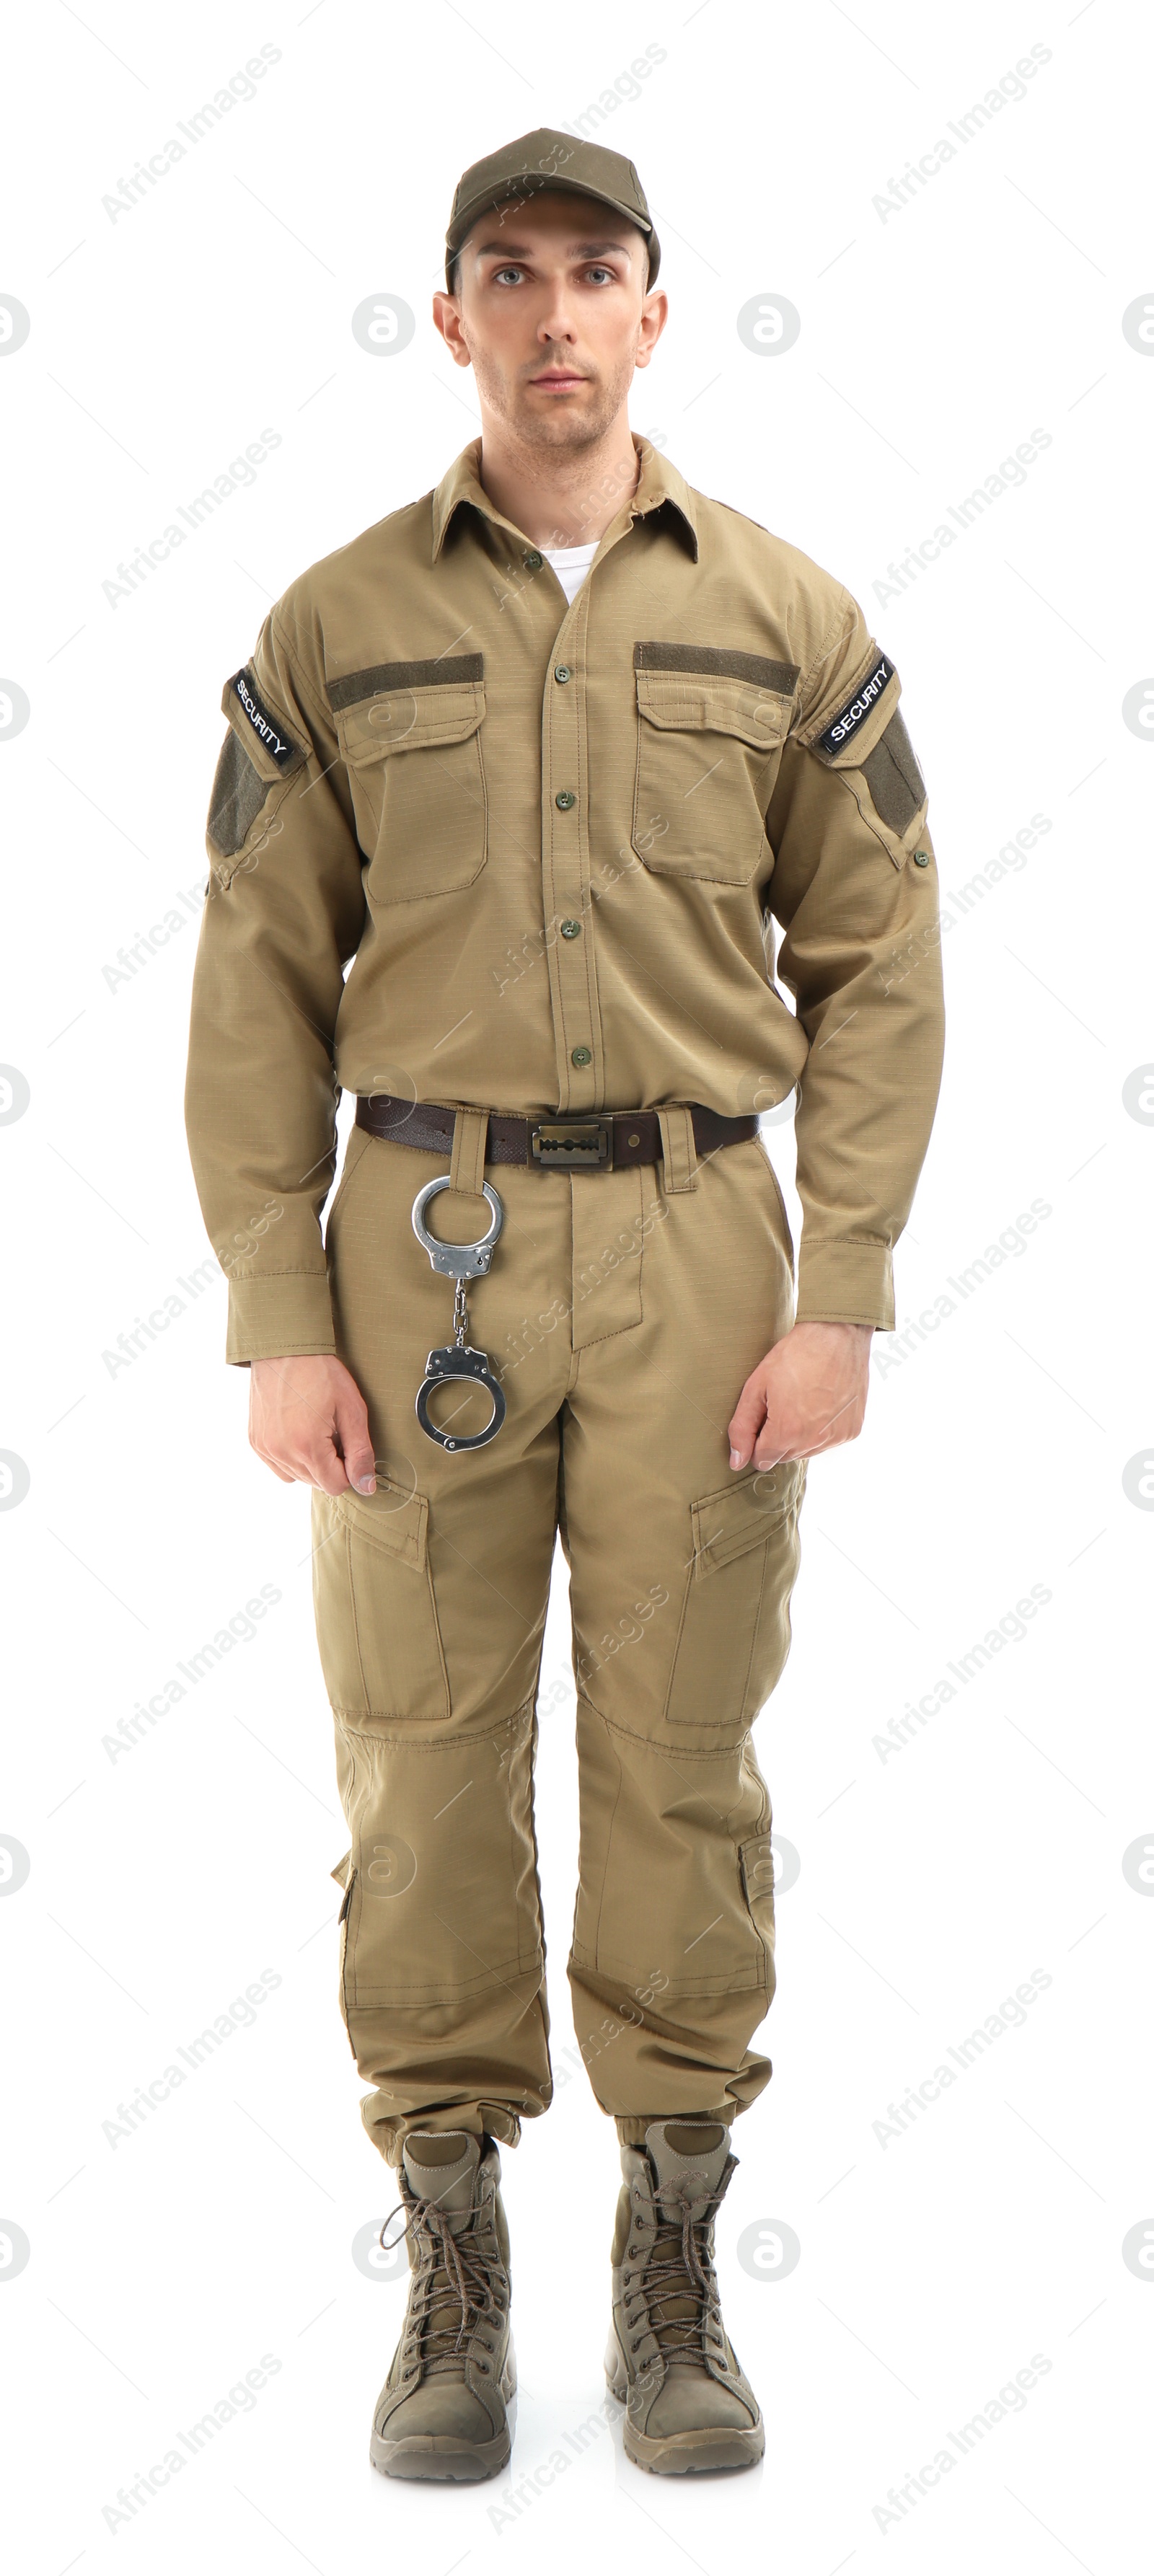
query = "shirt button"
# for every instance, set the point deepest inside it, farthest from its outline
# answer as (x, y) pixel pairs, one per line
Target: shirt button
(921, 858)
(532, 561)
(581, 1055)
(565, 798)
(570, 930)
(562, 672)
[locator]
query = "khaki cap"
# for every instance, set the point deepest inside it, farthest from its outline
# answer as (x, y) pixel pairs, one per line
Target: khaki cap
(548, 159)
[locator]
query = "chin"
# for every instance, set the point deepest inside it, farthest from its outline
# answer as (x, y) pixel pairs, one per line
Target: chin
(568, 427)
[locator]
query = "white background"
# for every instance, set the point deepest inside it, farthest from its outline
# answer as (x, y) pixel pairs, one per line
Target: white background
(936, 2262)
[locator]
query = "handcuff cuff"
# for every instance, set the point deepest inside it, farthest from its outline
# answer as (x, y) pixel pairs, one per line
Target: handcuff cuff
(457, 1360)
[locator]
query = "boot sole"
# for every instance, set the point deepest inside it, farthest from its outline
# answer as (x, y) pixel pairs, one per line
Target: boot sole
(673, 2455)
(444, 2455)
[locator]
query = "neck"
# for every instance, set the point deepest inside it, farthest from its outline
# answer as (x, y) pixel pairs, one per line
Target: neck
(559, 498)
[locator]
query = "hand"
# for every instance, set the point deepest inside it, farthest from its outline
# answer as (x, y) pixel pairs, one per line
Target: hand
(308, 1419)
(807, 1394)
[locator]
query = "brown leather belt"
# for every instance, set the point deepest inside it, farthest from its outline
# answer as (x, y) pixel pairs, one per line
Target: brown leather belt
(603, 1141)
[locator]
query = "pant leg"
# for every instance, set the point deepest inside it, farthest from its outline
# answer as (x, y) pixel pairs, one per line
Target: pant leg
(681, 1574)
(430, 1601)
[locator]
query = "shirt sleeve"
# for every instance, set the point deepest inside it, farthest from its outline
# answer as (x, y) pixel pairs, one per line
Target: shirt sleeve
(854, 887)
(284, 911)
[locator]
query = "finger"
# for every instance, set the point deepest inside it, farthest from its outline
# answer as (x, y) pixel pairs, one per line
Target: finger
(836, 1428)
(844, 1420)
(354, 1444)
(324, 1468)
(776, 1446)
(314, 1462)
(829, 1435)
(748, 1416)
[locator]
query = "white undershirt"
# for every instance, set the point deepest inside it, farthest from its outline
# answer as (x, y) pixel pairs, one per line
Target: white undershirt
(571, 563)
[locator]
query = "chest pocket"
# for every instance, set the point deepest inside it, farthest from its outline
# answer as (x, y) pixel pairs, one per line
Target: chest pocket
(710, 726)
(410, 737)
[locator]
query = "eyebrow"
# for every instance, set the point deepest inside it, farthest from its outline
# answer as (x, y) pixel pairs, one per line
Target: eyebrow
(575, 250)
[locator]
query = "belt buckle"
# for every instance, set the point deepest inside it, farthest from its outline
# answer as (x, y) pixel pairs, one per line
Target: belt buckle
(571, 1144)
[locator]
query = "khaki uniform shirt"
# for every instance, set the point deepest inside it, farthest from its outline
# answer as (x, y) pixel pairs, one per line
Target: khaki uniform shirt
(553, 843)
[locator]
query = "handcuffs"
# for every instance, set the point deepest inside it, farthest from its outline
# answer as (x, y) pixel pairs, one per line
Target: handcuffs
(458, 1360)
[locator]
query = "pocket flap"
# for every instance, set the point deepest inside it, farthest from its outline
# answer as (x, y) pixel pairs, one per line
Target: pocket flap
(406, 706)
(341, 1872)
(740, 1515)
(685, 701)
(393, 1519)
(757, 1868)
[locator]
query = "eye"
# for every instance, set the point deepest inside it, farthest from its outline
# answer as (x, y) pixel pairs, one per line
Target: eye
(598, 271)
(510, 271)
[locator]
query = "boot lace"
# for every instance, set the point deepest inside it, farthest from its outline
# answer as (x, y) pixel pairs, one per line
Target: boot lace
(452, 2289)
(679, 2284)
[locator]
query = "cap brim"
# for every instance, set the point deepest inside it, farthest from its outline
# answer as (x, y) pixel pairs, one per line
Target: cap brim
(517, 191)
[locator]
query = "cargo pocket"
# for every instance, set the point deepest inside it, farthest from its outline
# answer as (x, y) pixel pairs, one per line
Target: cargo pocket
(377, 1630)
(734, 1633)
(756, 1861)
(348, 1878)
(710, 726)
(410, 738)
(258, 761)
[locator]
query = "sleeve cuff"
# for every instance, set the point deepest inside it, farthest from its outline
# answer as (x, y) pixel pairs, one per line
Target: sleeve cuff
(846, 1281)
(288, 1316)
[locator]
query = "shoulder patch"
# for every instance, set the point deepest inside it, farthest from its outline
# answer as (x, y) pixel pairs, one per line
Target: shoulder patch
(268, 729)
(850, 718)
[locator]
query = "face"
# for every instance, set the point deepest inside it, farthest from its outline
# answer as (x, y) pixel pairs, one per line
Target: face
(553, 316)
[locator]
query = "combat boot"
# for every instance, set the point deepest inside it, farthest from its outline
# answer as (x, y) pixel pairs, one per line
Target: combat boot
(688, 2404)
(448, 2406)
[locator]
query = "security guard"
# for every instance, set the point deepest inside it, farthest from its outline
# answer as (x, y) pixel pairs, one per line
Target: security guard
(514, 787)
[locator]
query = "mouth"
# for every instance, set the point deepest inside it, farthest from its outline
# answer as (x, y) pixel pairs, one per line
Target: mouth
(559, 377)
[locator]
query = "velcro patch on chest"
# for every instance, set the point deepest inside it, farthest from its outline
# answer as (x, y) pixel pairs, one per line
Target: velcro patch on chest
(851, 720)
(266, 728)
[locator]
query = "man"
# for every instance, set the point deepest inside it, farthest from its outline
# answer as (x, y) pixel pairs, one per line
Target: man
(545, 754)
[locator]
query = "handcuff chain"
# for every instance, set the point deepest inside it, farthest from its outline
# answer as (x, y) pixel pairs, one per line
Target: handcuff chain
(460, 1316)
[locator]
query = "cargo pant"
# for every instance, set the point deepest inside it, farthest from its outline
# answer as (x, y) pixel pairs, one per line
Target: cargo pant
(622, 1314)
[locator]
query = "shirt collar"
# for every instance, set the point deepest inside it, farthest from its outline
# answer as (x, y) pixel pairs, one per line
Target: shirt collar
(658, 483)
